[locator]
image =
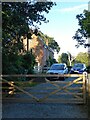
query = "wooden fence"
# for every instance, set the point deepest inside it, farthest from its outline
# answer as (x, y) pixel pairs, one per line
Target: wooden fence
(40, 89)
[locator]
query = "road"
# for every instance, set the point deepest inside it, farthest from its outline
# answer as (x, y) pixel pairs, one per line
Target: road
(44, 110)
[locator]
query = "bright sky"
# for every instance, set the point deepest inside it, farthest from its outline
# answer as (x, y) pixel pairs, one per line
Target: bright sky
(63, 24)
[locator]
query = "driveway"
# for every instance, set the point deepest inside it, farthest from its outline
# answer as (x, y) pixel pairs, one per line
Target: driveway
(43, 110)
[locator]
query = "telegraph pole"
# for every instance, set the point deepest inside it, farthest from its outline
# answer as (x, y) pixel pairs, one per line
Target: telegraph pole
(88, 63)
(88, 37)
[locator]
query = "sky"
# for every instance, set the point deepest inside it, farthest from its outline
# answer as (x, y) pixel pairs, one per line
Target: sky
(63, 25)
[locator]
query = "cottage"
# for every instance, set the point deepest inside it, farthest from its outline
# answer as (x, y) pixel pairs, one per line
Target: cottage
(41, 51)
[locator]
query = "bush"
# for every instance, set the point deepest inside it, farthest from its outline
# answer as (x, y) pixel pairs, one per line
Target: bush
(18, 64)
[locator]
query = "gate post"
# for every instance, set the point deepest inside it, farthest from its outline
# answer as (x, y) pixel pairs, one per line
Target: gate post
(89, 84)
(84, 86)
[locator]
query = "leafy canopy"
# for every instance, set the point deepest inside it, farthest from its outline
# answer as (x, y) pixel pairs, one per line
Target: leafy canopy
(17, 16)
(63, 58)
(16, 19)
(83, 32)
(82, 58)
(50, 41)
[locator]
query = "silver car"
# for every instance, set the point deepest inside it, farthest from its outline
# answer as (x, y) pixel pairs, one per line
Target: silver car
(57, 68)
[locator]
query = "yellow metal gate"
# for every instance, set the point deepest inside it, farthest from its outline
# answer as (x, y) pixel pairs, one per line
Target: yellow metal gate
(41, 89)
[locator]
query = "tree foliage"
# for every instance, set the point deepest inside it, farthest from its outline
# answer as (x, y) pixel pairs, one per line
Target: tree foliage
(50, 61)
(50, 41)
(17, 16)
(83, 32)
(16, 19)
(63, 58)
(82, 58)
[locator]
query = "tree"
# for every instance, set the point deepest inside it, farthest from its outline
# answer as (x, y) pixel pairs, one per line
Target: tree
(63, 58)
(50, 42)
(16, 19)
(83, 32)
(70, 58)
(18, 16)
(59, 59)
(50, 61)
(82, 58)
(28, 58)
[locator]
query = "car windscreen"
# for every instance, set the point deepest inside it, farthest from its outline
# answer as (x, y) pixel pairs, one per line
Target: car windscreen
(57, 67)
(78, 66)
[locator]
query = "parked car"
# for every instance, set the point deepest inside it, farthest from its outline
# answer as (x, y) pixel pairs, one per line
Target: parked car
(57, 69)
(78, 68)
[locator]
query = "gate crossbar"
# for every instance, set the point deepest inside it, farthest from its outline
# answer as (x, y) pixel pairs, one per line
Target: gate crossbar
(67, 91)
(27, 93)
(59, 88)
